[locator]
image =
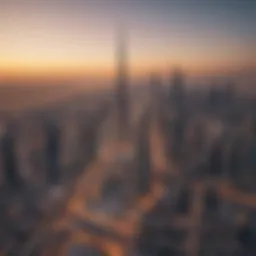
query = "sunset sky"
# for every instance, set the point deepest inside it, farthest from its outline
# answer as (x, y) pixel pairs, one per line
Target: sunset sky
(79, 36)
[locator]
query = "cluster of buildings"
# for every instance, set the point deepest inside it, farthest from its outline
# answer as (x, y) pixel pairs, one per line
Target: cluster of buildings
(210, 204)
(41, 153)
(103, 213)
(176, 179)
(202, 201)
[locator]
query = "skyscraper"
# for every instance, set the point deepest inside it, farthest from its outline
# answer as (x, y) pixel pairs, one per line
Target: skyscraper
(184, 197)
(88, 139)
(178, 131)
(122, 87)
(155, 84)
(156, 93)
(216, 160)
(53, 153)
(143, 156)
(10, 159)
(177, 92)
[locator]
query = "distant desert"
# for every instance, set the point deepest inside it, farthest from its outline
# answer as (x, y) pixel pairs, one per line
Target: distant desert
(14, 99)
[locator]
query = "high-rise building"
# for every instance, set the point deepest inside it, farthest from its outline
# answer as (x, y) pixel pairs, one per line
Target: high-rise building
(211, 201)
(143, 159)
(122, 87)
(236, 160)
(199, 137)
(88, 140)
(156, 95)
(216, 160)
(177, 92)
(70, 152)
(53, 153)
(213, 99)
(242, 164)
(2, 174)
(9, 158)
(155, 85)
(178, 130)
(229, 94)
(247, 238)
(183, 203)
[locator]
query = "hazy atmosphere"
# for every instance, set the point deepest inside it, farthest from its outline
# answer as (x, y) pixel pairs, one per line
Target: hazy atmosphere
(127, 128)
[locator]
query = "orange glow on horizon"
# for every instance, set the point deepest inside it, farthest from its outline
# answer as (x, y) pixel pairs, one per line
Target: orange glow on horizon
(106, 69)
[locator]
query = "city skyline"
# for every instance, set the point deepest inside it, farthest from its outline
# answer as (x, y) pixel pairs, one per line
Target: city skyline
(66, 38)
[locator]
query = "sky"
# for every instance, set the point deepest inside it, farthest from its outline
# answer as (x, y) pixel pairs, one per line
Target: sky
(80, 36)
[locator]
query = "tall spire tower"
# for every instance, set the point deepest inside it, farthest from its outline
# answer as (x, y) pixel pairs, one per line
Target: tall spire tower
(122, 86)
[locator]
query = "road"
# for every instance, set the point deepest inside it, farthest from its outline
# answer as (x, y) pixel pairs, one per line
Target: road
(88, 189)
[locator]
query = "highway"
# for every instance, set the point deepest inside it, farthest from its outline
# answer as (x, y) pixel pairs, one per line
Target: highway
(116, 235)
(88, 188)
